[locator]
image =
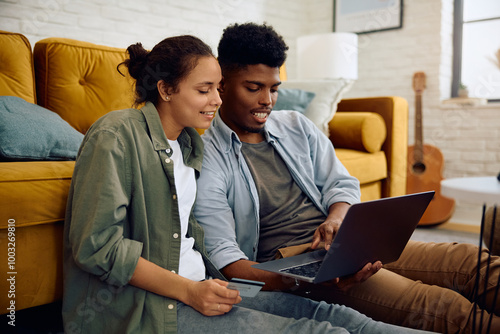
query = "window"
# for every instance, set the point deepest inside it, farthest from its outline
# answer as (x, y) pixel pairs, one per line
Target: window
(476, 62)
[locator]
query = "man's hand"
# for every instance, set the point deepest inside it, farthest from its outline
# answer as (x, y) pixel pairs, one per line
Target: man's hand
(348, 282)
(325, 232)
(212, 297)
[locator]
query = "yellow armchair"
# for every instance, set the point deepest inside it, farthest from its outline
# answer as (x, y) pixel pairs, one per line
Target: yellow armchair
(394, 112)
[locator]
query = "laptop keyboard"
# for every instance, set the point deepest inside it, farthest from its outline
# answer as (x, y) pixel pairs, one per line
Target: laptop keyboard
(305, 270)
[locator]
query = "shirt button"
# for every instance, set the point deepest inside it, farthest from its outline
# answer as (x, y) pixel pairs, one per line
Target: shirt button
(175, 235)
(167, 160)
(174, 196)
(170, 306)
(168, 150)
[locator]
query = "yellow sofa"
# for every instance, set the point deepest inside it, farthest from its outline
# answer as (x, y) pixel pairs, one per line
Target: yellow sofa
(79, 81)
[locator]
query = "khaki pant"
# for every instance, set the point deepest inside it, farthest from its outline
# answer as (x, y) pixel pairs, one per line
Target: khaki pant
(430, 287)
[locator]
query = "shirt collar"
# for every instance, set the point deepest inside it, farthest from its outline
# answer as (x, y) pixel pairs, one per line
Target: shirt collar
(156, 132)
(271, 130)
(189, 139)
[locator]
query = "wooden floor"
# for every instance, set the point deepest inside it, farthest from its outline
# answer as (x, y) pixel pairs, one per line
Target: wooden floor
(447, 232)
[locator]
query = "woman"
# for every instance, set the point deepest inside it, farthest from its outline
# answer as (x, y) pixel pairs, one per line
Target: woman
(134, 259)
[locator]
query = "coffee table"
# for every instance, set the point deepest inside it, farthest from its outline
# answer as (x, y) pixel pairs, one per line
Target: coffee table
(483, 190)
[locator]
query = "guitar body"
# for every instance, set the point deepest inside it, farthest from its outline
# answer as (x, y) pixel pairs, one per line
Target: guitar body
(425, 166)
(426, 175)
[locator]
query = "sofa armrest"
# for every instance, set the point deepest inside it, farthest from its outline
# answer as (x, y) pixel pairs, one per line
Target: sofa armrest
(17, 77)
(394, 111)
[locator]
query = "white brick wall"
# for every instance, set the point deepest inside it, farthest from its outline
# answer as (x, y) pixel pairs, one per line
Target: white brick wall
(123, 22)
(468, 137)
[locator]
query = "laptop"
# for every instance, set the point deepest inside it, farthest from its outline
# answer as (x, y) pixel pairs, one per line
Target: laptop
(371, 231)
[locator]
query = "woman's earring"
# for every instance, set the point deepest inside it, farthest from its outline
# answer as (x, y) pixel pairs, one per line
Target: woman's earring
(166, 98)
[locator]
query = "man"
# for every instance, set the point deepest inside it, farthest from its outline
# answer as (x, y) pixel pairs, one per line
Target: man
(271, 180)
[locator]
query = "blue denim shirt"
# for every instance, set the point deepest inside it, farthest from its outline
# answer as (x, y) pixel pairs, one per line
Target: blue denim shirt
(227, 204)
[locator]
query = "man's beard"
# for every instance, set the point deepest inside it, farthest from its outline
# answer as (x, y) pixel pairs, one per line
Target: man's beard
(252, 130)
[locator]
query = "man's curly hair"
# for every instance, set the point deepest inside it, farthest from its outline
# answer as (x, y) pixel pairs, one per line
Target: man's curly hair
(250, 44)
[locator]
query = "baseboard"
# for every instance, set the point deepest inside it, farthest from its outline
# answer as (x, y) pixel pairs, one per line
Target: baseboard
(460, 227)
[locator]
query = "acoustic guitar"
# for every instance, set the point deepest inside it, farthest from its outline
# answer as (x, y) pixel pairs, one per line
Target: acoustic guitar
(425, 166)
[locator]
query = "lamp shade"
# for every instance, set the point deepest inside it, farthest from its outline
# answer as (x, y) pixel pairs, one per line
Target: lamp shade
(328, 56)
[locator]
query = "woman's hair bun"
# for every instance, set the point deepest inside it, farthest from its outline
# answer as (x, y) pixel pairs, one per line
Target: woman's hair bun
(138, 57)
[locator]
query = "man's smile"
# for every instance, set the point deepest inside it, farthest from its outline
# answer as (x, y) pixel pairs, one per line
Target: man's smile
(261, 114)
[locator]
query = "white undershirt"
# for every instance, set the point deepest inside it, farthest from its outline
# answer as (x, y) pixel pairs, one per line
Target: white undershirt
(191, 263)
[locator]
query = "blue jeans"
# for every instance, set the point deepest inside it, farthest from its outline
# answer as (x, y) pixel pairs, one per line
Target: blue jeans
(277, 312)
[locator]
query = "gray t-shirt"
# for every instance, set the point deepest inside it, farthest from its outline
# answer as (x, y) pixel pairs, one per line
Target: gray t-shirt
(287, 215)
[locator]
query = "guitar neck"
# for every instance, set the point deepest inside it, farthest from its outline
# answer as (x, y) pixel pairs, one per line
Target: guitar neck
(418, 151)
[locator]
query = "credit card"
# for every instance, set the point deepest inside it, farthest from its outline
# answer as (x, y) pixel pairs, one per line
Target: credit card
(247, 288)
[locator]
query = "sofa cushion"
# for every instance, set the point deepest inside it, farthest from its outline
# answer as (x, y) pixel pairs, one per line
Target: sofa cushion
(34, 192)
(293, 99)
(30, 132)
(366, 167)
(323, 106)
(362, 131)
(371, 191)
(16, 66)
(80, 81)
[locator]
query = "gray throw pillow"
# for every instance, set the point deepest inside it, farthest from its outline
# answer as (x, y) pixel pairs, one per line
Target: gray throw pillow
(293, 99)
(30, 132)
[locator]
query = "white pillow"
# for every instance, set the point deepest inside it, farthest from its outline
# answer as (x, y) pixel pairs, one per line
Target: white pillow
(323, 106)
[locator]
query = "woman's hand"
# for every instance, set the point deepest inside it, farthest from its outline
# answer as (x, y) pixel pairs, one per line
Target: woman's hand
(211, 297)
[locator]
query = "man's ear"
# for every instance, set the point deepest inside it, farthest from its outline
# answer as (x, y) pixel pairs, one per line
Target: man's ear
(220, 88)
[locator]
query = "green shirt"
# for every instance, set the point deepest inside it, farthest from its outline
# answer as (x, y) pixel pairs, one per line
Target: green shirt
(122, 205)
